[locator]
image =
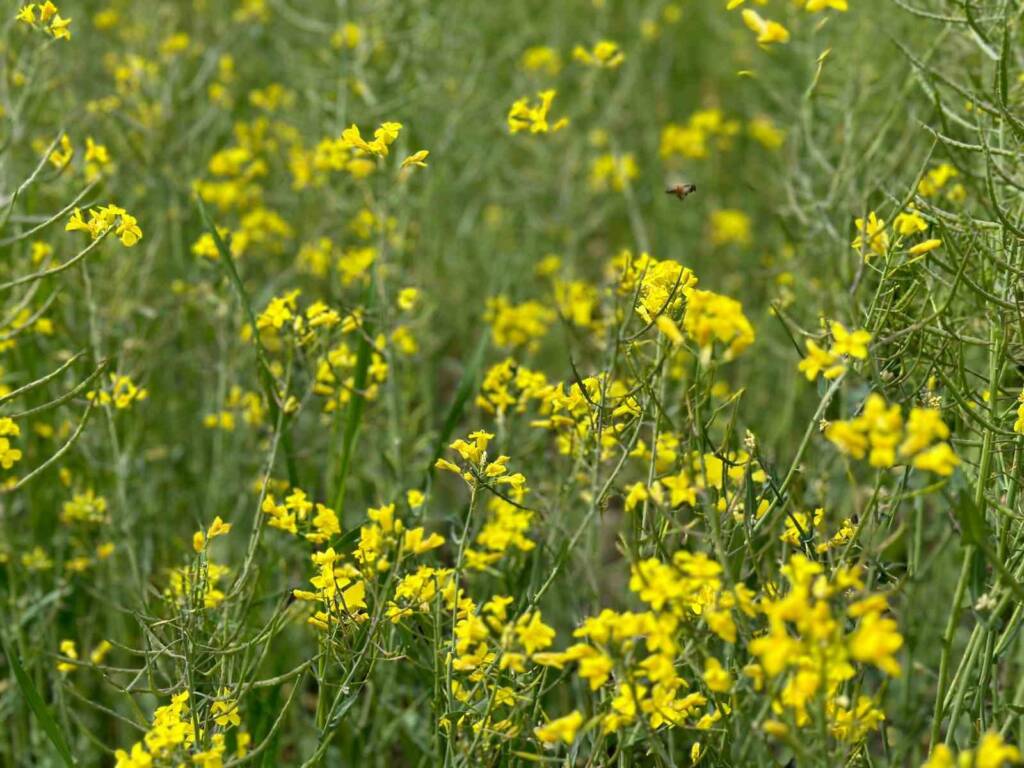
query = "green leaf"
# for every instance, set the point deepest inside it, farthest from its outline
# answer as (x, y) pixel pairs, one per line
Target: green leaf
(467, 384)
(356, 403)
(37, 705)
(973, 526)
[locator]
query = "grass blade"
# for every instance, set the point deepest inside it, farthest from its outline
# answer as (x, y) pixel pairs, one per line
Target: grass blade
(465, 388)
(37, 705)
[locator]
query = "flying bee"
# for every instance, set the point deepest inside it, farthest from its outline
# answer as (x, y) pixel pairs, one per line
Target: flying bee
(682, 191)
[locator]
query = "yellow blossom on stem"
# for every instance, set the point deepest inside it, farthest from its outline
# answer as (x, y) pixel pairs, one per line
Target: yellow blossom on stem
(605, 55)
(564, 729)
(872, 238)
(851, 343)
(820, 361)
(524, 116)
(768, 32)
(417, 158)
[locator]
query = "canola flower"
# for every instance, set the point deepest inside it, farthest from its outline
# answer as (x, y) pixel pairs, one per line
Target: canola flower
(45, 16)
(541, 58)
(872, 239)
(525, 115)
(107, 218)
(768, 32)
(605, 54)
(880, 434)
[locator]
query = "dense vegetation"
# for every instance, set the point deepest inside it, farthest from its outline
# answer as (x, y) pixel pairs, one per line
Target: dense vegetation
(582, 383)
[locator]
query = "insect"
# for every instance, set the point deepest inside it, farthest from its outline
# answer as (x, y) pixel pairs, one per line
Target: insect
(682, 191)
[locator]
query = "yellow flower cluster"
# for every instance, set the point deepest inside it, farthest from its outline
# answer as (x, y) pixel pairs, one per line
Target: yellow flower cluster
(880, 434)
(610, 171)
(518, 325)
(318, 522)
(46, 16)
(172, 730)
(808, 651)
(218, 527)
(335, 370)
(339, 592)
(247, 403)
(340, 587)
(478, 468)
(86, 507)
(829, 362)
(712, 318)
(104, 219)
(533, 117)
(693, 138)
(172, 738)
(730, 225)
(505, 529)
(937, 180)
(992, 752)
(873, 239)
(9, 455)
(122, 393)
(385, 540)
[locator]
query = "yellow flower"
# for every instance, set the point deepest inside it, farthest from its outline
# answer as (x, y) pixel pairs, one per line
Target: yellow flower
(534, 635)
(875, 640)
(524, 116)
(768, 32)
(104, 219)
(637, 495)
(62, 155)
(383, 137)
(936, 179)
(872, 236)
(99, 653)
(763, 131)
(217, 528)
(669, 328)
(852, 343)
(613, 171)
(347, 36)
(8, 456)
(416, 158)
(993, 752)
(814, 6)
(729, 225)
(605, 55)
(407, 298)
(716, 676)
(925, 247)
(711, 317)
(541, 58)
(775, 728)
(909, 223)
(563, 729)
(819, 361)
(68, 649)
(225, 710)
(939, 459)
